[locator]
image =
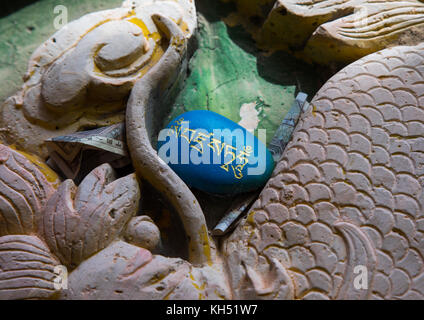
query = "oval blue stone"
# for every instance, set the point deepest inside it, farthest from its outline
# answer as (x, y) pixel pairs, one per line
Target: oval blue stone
(214, 154)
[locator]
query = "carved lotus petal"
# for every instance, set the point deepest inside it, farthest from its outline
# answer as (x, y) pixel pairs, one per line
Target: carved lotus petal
(79, 222)
(24, 190)
(370, 28)
(27, 268)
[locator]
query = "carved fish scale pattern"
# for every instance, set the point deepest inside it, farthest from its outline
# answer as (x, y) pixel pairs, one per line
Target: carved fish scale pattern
(26, 268)
(348, 192)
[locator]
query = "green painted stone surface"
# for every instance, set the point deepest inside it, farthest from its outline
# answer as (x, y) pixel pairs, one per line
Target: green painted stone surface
(23, 31)
(227, 71)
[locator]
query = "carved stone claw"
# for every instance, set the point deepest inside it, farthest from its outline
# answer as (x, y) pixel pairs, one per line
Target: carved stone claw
(78, 222)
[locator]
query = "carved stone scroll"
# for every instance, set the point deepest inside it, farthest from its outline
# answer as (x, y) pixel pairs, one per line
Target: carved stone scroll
(333, 31)
(81, 76)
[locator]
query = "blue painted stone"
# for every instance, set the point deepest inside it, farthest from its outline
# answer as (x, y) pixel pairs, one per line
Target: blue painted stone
(214, 154)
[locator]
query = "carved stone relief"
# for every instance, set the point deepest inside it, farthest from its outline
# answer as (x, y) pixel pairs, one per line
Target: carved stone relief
(81, 77)
(347, 193)
(332, 31)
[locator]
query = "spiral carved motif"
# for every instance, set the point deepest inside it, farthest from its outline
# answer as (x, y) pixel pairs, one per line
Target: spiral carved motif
(82, 76)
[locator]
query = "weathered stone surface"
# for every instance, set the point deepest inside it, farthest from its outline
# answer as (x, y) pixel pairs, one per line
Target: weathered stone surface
(79, 222)
(335, 31)
(25, 186)
(141, 231)
(347, 193)
(360, 203)
(27, 268)
(100, 55)
(124, 271)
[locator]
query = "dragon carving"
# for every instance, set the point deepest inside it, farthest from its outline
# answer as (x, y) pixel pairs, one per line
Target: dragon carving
(347, 193)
